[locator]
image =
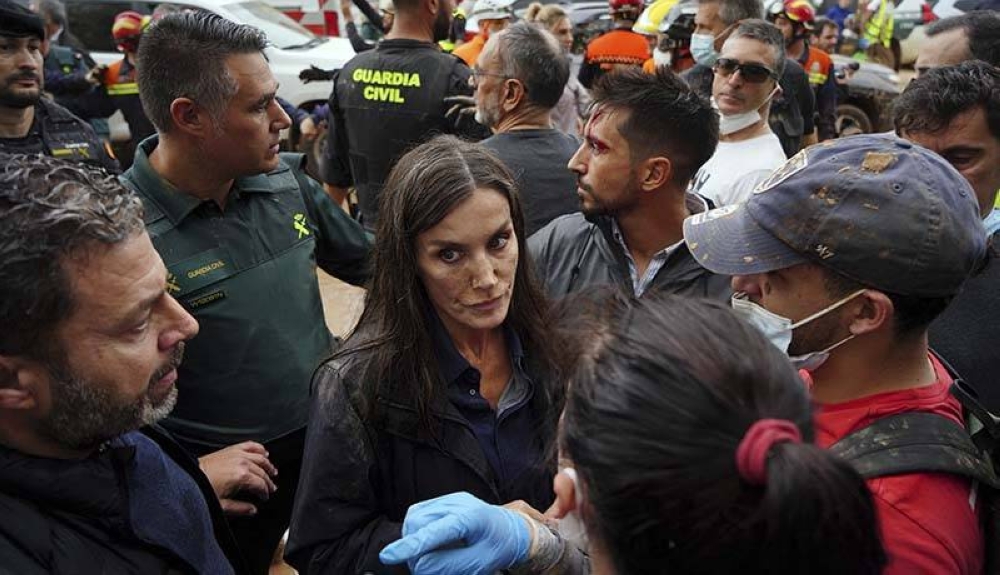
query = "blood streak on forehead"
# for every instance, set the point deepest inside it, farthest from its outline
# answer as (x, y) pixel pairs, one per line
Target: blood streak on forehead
(599, 114)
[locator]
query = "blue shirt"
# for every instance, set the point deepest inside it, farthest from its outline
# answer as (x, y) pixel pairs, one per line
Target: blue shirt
(838, 15)
(507, 436)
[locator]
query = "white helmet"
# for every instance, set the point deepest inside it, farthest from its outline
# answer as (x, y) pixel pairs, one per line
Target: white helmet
(493, 9)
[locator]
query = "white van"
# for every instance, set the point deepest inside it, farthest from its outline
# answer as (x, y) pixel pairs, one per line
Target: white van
(293, 47)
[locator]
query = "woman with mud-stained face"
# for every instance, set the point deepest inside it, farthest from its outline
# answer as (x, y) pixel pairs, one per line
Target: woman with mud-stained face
(447, 383)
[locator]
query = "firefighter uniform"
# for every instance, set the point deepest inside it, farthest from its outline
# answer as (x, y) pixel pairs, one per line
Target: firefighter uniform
(819, 68)
(384, 102)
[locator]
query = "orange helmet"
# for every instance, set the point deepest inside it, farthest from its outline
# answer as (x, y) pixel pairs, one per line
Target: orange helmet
(796, 11)
(127, 28)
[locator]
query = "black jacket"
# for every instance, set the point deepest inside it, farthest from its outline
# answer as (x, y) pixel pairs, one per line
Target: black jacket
(358, 478)
(384, 102)
(78, 522)
(572, 254)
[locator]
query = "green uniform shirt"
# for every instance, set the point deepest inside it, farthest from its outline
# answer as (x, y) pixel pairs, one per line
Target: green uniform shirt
(248, 274)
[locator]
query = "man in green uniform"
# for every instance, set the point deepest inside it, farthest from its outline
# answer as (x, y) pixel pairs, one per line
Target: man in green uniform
(241, 230)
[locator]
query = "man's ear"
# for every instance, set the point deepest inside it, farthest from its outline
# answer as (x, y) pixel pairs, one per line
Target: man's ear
(513, 94)
(875, 312)
(21, 380)
(432, 6)
(565, 491)
(656, 173)
(191, 118)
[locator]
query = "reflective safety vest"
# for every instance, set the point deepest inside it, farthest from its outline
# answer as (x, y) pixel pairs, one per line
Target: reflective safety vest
(121, 86)
(819, 66)
(119, 81)
(878, 28)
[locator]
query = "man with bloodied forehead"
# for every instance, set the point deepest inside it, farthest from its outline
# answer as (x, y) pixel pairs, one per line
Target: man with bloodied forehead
(647, 136)
(843, 257)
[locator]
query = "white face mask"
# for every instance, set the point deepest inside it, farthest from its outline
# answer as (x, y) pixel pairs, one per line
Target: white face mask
(778, 329)
(729, 124)
(663, 58)
(571, 527)
(703, 49)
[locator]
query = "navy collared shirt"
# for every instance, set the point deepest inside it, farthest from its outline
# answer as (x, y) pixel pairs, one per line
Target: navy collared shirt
(508, 436)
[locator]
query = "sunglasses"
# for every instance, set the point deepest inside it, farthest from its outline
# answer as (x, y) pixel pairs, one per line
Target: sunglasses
(753, 73)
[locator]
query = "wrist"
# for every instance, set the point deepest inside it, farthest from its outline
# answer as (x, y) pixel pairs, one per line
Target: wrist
(545, 548)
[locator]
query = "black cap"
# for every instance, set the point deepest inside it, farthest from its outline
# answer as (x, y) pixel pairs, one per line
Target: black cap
(16, 21)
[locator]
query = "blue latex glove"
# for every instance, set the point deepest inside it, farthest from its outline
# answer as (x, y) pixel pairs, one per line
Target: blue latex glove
(458, 534)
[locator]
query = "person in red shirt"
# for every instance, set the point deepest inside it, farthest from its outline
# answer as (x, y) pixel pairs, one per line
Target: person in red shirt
(843, 257)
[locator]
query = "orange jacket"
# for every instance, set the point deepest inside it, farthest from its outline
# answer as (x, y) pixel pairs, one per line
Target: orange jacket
(469, 52)
(819, 66)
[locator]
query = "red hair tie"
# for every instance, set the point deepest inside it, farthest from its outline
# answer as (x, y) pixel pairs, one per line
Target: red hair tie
(751, 455)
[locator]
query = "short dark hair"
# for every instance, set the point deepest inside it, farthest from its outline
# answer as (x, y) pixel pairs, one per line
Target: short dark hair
(51, 209)
(653, 420)
(666, 117)
(931, 102)
(982, 28)
(55, 11)
(767, 33)
(824, 22)
(912, 315)
(533, 56)
(733, 11)
(183, 55)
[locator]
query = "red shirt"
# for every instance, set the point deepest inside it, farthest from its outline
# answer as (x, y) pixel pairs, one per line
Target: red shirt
(928, 520)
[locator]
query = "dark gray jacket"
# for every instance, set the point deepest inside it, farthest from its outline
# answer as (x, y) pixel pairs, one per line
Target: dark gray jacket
(571, 254)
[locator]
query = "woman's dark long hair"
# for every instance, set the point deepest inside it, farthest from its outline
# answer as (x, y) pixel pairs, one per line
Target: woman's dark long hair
(393, 333)
(664, 391)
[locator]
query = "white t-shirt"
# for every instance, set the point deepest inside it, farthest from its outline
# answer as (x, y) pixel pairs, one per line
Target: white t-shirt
(731, 174)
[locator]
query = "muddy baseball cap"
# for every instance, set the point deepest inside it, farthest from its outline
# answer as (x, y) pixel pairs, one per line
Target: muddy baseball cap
(17, 21)
(877, 209)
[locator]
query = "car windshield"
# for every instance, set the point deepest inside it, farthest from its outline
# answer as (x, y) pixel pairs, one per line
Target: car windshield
(281, 30)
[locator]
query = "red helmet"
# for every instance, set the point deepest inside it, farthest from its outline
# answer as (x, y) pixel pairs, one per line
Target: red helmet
(127, 28)
(797, 11)
(626, 7)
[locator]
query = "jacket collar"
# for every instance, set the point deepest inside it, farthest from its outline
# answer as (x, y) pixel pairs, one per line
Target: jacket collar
(680, 265)
(451, 363)
(86, 487)
(175, 203)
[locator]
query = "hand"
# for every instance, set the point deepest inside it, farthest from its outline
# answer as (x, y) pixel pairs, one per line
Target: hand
(240, 468)
(95, 75)
(530, 512)
(461, 535)
(308, 128)
(314, 74)
(345, 10)
(461, 108)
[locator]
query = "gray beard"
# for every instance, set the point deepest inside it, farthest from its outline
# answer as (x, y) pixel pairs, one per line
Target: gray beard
(85, 413)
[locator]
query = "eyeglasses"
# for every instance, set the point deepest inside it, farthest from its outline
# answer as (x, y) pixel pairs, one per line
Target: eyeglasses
(753, 73)
(477, 72)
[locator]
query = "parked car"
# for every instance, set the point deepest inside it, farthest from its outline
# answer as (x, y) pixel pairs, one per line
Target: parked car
(864, 103)
(908, 33)
(293, 47)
